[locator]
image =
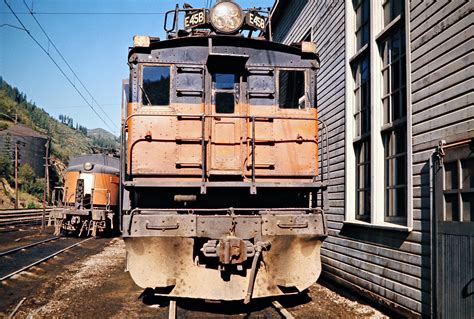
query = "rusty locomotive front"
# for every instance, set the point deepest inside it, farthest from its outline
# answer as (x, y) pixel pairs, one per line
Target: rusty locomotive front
(223, 194)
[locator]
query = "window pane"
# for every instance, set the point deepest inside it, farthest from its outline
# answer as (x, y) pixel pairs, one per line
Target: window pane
(400, 202)
(401, 173)
(386, 81)
(395, 106)
(364, 70)
(362, 152)
(387, 13)
(386, 110)
(395, 75)
(291, 89)
(403, 102)
(450, 176)
(468, 207)
(395, 46)
(156, 85)
(401, 140)
(225, 102)
(391, 9)
(452, 207)
(467, 173)
(224, 81)
(362, 23)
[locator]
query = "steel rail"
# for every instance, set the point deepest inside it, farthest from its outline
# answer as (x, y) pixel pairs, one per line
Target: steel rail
(21, 215)
(43, 259)
(27, 246)
(282, 310)
(22, 211)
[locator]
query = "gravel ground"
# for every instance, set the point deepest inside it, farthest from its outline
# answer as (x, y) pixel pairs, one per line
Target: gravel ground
(96, 286)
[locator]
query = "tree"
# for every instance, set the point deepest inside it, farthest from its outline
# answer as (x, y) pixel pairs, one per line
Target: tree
(28, 181)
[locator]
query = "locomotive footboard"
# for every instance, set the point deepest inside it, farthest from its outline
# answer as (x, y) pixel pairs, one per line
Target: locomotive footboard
(225, 257)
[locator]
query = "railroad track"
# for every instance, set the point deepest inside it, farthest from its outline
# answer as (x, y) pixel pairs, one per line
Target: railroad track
(22, 217)
(258, 309)
(19, 259)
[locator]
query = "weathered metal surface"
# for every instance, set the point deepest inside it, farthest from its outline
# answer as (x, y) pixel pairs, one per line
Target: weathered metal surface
(179, 273)
(304, 224)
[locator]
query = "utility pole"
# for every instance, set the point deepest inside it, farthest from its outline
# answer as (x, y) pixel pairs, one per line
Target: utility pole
(46, 186)
(17, 158)
(17, 149)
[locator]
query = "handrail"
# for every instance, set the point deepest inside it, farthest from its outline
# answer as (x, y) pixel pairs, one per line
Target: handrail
(253, 118)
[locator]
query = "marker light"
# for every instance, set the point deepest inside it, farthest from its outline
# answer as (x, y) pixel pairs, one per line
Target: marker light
(88, 166)
(226, 17)
(141, 41)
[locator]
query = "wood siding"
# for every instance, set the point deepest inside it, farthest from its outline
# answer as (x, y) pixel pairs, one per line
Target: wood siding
(441, 41)
(392, 266)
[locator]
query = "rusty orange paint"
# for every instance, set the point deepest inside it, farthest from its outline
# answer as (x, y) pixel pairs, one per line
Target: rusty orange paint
(169, 147)
(103, 184)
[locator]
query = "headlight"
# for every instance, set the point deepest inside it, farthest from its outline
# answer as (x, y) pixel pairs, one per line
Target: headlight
(227, 17)
(88, 166)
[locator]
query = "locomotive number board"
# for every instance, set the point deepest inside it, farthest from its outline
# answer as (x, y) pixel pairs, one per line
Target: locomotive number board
(255, 20)
(194, 19)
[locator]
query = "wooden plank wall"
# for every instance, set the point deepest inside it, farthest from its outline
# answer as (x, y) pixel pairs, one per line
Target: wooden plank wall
(392, 266)
(441, 49)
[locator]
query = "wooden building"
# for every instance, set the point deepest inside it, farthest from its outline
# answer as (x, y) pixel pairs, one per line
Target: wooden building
(396, 91)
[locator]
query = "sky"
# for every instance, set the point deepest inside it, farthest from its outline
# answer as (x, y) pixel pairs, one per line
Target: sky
(93, 36)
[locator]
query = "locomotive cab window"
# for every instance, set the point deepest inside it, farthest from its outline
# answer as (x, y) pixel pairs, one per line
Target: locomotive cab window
(225, 88)
(155, 87)
(292, 89)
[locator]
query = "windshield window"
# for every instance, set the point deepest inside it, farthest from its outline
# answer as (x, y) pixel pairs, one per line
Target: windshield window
(156, 85)
(291, 85)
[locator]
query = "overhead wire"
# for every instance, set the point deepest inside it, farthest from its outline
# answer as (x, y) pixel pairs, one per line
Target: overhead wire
(57, 65)
(68, 65)
(89, 13)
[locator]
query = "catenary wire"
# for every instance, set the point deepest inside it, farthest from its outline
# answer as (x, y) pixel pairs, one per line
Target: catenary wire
(57, 65)
(69, 66)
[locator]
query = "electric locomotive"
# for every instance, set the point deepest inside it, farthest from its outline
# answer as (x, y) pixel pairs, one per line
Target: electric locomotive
(223, 194)
(90, 196)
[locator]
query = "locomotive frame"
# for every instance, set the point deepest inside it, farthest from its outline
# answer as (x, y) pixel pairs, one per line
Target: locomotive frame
(250, 223)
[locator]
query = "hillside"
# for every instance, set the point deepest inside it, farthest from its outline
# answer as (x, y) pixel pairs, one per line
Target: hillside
(103, 138)
(66, 140)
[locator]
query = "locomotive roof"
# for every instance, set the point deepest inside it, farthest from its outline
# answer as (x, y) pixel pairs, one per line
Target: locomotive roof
(97, 168)
(223, 40)
(101, 163)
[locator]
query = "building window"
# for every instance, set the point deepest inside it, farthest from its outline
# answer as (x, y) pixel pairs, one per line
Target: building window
(392, 47)
(361, 140)
(377, 111)
(361, 8)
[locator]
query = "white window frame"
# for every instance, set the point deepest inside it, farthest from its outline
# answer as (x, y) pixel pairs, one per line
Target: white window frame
(377, 204)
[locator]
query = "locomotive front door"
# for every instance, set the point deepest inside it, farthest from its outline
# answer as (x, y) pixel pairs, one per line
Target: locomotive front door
(225, 152)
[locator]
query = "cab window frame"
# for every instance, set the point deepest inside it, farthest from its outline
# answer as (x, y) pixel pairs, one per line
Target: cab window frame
(306, 95)
(141, 96)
